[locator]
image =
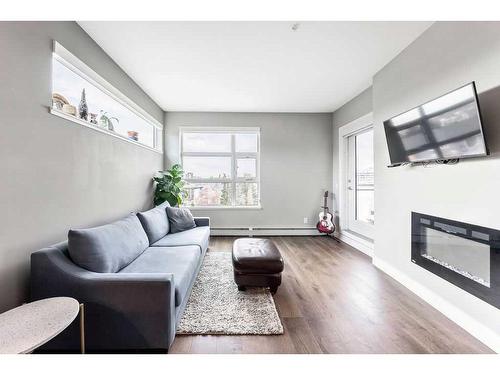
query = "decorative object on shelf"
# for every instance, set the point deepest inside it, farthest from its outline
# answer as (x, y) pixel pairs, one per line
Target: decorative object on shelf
(169, 186)
(133, 135)
(83, 109)
(69, 109)
(58, 101)
(106, 121)
(93, 118)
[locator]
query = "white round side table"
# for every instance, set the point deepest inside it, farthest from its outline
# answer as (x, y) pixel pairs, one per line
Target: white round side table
(25, 328)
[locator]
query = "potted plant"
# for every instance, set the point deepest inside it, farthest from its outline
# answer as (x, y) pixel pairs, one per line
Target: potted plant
(106, 121)
(169, 186)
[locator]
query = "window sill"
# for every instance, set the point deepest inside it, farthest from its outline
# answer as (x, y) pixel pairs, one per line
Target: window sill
(76, 120)
(218, 208)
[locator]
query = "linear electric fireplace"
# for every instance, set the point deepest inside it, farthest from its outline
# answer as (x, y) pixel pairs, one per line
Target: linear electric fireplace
(464, 254)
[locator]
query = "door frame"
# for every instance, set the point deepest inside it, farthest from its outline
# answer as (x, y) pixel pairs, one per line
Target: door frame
(359, 125)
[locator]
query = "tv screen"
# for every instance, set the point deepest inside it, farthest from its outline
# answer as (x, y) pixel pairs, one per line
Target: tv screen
(448, 127)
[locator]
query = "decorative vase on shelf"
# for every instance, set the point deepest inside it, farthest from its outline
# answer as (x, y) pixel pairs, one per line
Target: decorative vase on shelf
(69, 109)
(83, 109)
(133, 135)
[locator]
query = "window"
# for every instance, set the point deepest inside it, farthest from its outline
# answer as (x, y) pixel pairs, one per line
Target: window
(362, 165)
(221, 167)
(108, 110)
(360, 187)
(356, 190)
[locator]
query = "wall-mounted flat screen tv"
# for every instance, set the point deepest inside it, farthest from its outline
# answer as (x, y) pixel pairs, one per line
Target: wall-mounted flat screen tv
(445, 128)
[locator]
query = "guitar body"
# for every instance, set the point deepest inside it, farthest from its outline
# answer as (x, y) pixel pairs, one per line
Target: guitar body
(325, 223)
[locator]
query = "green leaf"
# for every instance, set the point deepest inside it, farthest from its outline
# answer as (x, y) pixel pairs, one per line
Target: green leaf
(169, 186)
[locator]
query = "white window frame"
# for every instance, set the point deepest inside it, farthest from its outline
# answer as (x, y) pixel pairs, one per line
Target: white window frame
(78, 67)
(233, 155)
(357, 126)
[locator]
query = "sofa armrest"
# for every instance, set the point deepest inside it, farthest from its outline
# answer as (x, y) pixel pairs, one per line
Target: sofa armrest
(202, 221)
(122, 311)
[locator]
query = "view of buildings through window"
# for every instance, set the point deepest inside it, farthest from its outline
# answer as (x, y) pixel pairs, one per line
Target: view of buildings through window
(221, 167)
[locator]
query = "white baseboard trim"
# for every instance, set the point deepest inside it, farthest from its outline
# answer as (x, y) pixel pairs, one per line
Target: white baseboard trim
(264, 232)
(471, 325)
(358, 243)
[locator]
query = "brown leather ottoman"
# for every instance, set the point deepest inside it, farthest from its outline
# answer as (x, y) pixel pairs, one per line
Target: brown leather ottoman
(257, 262)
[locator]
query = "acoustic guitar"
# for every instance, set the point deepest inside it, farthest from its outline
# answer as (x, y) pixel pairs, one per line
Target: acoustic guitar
(325, 223)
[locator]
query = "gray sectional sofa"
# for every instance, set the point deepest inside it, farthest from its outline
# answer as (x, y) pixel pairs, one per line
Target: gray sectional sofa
(134, 277)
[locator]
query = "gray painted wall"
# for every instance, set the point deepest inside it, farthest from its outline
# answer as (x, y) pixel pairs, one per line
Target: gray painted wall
(55, 173)
(446, 56)
(296, 154)
(352, 110)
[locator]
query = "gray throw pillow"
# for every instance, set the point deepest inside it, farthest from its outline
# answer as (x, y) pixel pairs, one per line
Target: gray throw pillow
(180, 219)
(155, 222)
(110, 247)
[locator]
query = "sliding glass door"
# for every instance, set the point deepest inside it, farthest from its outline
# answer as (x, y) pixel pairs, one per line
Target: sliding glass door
(360, 187)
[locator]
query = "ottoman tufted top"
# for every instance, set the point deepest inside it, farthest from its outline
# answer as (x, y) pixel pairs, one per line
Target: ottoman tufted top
(256, 255)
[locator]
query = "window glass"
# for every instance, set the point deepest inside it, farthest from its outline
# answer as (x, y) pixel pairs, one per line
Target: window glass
(247, 194)
(103, 111)
(221, 168)
(246, 168)
(364, 177)
(209, 194)
(210, 167)
(206, 142)
(246, 142)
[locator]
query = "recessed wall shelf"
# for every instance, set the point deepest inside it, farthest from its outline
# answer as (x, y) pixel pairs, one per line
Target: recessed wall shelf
(87, 124)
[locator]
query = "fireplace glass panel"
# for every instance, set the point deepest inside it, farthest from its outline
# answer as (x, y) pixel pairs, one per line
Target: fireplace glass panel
(463, 254)
(466, 257)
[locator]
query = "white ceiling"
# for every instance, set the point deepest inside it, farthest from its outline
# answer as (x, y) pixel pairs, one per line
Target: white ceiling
(253, 66)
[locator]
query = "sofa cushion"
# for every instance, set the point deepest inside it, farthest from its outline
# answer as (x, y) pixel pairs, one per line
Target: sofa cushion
(180, 219)
(181, 261)
(197, 236)
(155, 222)
(110, 247)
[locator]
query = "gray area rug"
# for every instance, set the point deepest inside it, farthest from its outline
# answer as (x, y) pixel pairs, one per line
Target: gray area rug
(217, 307)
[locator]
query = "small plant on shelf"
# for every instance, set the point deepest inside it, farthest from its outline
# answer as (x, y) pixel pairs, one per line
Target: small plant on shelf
(107, 122)
(170, 186)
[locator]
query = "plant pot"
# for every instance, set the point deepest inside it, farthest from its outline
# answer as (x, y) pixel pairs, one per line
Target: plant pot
(133, 135)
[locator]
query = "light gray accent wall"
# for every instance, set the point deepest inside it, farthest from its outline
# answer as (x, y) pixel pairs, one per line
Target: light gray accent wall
(295, 165)
(352, 110)
(55, 174)
(446, 56)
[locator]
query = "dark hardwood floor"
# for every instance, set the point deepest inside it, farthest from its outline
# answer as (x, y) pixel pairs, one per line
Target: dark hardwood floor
(333, 300)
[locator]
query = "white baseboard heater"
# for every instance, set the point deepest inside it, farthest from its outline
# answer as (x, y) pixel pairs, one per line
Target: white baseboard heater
(262, 231)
